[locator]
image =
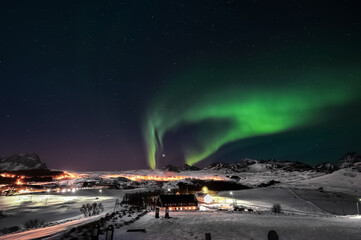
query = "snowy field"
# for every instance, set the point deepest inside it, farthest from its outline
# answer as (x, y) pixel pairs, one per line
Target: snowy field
(298, 201)
(53, 207)
(262, 199)
(234, 225)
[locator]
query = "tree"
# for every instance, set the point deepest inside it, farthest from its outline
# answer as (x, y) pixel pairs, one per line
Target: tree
(34, 223)
(95, 209)
(101, 207)
(276, 208)
(92, 209)
(84, 210)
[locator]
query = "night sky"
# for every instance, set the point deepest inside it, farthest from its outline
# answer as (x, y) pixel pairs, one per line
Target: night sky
(104, 85)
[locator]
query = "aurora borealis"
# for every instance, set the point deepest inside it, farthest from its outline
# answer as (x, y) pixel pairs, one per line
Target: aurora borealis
(239, 110)
(104, 85)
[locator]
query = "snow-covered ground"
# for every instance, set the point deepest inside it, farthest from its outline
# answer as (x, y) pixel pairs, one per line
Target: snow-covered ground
(262, 199)
(297, 201)
(346, 180)
(331, 202)
(53, 207)
(307, 207)
(234, 225)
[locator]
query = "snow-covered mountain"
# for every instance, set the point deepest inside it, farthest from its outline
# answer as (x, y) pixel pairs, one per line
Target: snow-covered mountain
(21, 162)
(326, 167)
(252, 165)
(349, 160)
(259, 165)
(184, 168)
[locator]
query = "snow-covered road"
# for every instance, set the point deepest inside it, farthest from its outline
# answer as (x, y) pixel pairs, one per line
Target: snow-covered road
(51, 232)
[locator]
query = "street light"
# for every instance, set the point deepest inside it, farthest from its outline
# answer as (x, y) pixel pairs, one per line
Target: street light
(205, 189)
(233, 199)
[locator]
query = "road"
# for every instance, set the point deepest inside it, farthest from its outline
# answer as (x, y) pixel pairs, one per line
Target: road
(48, 232)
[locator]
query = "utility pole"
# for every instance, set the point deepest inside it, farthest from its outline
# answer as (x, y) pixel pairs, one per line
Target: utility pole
(116, 203)
(358, 208)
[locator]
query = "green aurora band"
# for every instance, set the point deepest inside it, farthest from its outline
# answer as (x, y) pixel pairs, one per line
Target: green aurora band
(240, 107)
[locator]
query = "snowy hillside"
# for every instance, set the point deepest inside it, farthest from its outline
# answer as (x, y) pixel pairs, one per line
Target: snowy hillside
(344, 180)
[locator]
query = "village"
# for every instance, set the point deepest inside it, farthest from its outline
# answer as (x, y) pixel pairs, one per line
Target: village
(139, 204)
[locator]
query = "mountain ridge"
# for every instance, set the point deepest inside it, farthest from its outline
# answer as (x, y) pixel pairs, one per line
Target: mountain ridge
(23, 161)
(350, 159)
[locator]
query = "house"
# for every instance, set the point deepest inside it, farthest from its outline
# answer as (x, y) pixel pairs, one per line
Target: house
(178, 202)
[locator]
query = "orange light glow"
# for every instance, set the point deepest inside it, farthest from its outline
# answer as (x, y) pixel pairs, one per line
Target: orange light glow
(67, 175)
(24, 191)
(19, 182)
(7, 175)
(159, 178)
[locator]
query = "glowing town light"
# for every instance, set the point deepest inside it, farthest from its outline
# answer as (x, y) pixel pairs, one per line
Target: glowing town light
(24, 191)
(73, 190)
(48, 190)
(18, 182)
(100, 190)
(68, 175)
(8, 175)
(202, 208)
(159, 178)
(205, 189)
